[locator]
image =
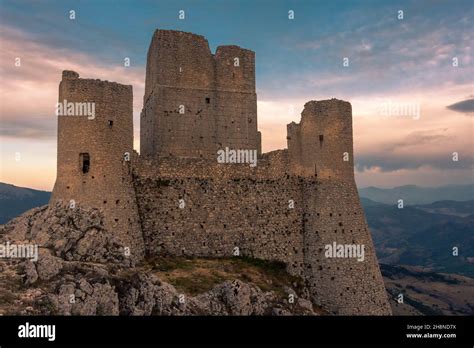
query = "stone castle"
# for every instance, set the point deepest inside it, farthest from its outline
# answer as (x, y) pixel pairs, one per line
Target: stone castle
(175, 198)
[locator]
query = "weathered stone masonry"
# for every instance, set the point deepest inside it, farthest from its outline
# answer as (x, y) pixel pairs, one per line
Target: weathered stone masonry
(91, 166)
(197, 102)
(287, 208)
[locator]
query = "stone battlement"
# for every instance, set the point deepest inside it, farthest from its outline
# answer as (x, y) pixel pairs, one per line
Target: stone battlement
(72, 78)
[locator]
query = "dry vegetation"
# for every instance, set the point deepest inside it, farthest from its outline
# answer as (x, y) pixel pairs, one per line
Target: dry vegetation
(197, 275)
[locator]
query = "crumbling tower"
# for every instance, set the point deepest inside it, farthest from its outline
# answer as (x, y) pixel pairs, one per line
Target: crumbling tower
(95, 152)
(320, 149)
(195, 102)
(321, 144)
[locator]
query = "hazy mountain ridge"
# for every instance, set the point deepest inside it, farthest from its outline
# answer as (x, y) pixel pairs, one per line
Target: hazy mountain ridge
(412, 194)
(463, 209)
(15, 200)
(420, 235)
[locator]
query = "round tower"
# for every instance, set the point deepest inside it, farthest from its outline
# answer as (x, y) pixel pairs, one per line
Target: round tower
(95, 145)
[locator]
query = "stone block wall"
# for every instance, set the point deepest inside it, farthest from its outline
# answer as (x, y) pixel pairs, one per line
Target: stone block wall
(201, 208)
(345, 285)
(228, 206)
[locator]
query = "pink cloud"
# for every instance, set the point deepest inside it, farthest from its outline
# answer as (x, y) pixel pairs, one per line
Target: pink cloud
(29, 92)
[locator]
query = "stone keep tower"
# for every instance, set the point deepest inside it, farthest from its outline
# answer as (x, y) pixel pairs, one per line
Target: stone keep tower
(197, 102)
(321, 147)
(95, 154)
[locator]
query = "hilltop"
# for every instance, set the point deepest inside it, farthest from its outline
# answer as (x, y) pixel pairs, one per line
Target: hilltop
(83, 271)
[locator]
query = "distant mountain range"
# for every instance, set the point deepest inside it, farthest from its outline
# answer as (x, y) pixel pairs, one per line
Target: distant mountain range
(15, 200)
(412, 194)
(424, 235)
(463, 209)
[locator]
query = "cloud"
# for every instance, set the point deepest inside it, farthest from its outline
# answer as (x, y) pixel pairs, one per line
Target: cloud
(29, 92)
(392, 162)
(424, 137)
(40, 129)
(419, 149)
(385, 56)
(465, 106)
(422, 176)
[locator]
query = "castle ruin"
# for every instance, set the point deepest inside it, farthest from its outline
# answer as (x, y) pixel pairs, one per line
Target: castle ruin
(176, 198)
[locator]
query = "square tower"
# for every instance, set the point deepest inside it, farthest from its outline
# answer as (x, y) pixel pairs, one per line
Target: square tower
(195, 102)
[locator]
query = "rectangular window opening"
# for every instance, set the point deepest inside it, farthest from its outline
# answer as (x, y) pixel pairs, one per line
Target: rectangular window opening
(85, 162)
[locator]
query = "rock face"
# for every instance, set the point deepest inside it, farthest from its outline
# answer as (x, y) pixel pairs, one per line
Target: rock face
(147, 295)
(82, 270)
(71, 234)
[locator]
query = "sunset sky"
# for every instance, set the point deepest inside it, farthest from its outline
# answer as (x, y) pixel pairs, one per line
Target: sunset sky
(392, 62)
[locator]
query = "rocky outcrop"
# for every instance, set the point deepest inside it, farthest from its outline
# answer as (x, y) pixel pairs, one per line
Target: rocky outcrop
(82, 270)
(73, 234)
(147, 295)
(88, 289)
